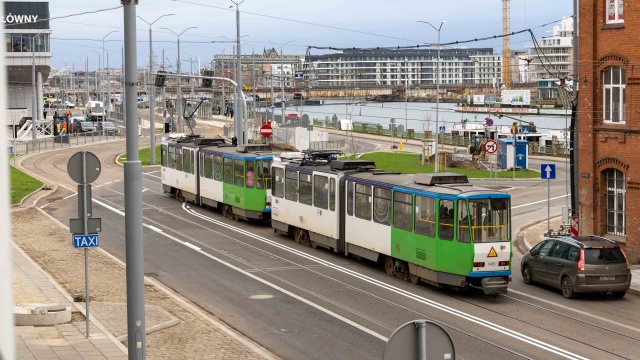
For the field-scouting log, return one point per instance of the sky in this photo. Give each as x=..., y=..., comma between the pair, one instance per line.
x=300, y=23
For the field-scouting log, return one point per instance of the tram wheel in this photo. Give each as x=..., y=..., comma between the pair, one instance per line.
x=227, y=211
x=414, y=279
x=179, y=196
x=389, y=265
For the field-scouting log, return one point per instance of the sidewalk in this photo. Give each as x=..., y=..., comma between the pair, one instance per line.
x=531, y=234
x=65, y=341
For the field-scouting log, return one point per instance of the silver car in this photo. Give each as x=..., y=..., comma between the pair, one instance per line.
x=578, y=264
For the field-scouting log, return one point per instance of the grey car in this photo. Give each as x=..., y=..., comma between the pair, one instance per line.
x=107, y=127
x=578, y=264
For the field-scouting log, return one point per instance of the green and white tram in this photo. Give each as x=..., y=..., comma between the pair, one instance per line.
x=235, y=180
x=435, y=228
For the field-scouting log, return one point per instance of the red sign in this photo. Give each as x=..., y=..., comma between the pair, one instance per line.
x=266, y=130
x=574, y=226
x=490, y=147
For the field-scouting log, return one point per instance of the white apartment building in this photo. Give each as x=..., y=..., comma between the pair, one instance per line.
x=552, y=60
x=406, y=67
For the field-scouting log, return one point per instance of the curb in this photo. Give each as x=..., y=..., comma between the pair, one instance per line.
x=523, y=229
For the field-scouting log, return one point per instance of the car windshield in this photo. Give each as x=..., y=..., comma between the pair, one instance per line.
x=601, y=256
x=86, y=124
x=489, y=220
x=108, y=125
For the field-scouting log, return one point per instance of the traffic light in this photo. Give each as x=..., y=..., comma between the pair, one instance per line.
x=160, y=78
x=207, y=83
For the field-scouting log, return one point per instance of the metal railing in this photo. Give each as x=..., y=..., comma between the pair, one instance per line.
x=62, y=141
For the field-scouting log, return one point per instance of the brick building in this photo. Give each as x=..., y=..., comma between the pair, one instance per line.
x=609, y=121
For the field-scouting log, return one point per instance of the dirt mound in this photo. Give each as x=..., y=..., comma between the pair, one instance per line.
x=447, y=159
x=282, y=147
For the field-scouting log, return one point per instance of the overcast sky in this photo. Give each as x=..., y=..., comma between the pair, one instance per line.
x=334, y=23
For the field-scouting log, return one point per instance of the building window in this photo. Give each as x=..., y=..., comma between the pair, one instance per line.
x=616, y=198
x=615, y=12
x=614, y=91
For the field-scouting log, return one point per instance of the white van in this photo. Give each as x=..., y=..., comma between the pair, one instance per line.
x=95, y=110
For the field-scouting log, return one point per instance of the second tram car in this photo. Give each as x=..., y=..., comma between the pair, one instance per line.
x=210, y=172
x=435, y=228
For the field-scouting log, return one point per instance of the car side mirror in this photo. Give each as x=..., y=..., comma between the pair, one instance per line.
x=533, y=252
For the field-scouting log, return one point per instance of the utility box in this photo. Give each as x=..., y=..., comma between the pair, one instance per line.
x=507, y=154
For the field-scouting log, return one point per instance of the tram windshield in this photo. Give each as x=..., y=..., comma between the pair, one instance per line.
x=489, y=220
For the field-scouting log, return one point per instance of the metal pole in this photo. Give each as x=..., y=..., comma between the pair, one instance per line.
x=34, y=104
x=108, y=102
x=282, y=104
x=164, y=100
x=85, y=219
x=134, y=240
x=179, y=93
x=548, y=203
x=437, y=158
x=224, y=102
x=422, y=339
x=574, y=134
x=152, y=105
x=239, y=116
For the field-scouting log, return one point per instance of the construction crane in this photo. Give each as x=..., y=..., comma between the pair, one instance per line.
x=506, y=50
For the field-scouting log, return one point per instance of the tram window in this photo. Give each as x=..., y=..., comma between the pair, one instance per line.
x=489, y=220
x=382, y=206
x=321, y=192
x=291, y=185
x=350, y=198
x=238, y=171
x=445, y=220
x=217, y=167
x=172, y=158
x=464, y=231
x=278, y=189
x=306, y=190
x=425, y=223
x=179, y=159
x=266, y=168
x=363, y=201
x=250, y=174
x=228, y=170
x=332, y=195
x=207, y=166
x=163, y=155
x=402, y=205
x=187, y=165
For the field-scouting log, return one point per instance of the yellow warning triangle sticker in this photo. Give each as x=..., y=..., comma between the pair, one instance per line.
x=492, y=253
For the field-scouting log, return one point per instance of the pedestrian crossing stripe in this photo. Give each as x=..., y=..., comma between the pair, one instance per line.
x=492, y=253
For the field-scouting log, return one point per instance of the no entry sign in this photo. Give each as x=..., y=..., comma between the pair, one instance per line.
x=266, y=130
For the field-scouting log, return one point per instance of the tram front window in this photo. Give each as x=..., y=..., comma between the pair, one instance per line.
x=489, y=220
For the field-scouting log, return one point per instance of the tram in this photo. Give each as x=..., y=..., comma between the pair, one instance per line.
x=435, y=228
x=208, y=172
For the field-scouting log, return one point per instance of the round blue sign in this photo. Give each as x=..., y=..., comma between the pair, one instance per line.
x=489, y=121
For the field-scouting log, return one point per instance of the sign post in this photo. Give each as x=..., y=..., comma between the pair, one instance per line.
x=84, y=168
x=490, y=147
x=548, y=171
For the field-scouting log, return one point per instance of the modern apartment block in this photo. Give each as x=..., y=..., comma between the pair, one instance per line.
x=552, y=60
x=609, y=122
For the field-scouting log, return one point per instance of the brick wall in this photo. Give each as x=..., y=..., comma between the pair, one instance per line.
x=603, y=146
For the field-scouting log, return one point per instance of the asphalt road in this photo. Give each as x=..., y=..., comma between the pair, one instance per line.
x=302, y=303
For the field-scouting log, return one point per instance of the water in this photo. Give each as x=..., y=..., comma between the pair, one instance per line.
x=419, y=116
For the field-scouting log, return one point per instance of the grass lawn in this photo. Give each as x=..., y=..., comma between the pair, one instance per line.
x=144, y=155
x=21, y=185
x=409, y=163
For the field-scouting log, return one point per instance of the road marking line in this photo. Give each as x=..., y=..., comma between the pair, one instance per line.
x=538, y=202
x=154, y=228
x=191, y=246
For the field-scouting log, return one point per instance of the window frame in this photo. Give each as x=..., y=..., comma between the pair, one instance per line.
x=227, y=169
x=613, y=83
x=249, y=164
x=178, y=159
x=164, y=151
x=363, y=202
x=238, y=167
x=617, y=6
x=429, y=230
x=290, y=193
x=332, y=194
x=305, y=188
x=615, y=202
x=279, y=179
x=207, y=166
x=382, y=198
x=442, y=226
x=399, y=223
x=321, y=191
x=218, y=161
x=350, y=196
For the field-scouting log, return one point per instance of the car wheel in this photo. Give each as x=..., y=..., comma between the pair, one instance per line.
x=567, y=288
x=526, y=275
x=619, y=294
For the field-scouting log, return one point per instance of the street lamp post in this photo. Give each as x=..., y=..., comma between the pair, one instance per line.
x=282, y=78
x=34, y=93
x=179, y=90
x=152, y=124
x=239, y=116
x=98, y=71
x=101, y=85
x=437, y=90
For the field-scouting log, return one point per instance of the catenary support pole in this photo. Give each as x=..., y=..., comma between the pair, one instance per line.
x=136, y=328
x=152, y=106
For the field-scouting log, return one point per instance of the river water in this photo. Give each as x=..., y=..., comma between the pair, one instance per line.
x=419, y=116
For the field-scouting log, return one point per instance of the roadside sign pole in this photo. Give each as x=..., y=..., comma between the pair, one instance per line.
x=548, y=204
x=548, y=172
x=85, y=232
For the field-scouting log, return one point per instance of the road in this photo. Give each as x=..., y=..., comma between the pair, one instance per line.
x=302, y=303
